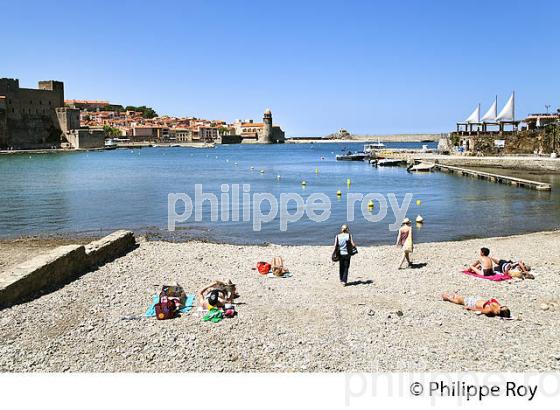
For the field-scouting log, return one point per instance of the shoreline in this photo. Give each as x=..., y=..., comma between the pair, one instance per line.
x=389, y=320
x=59, y=239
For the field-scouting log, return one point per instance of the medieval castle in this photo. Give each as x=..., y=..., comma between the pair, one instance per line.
x=28, y=117
x=38, y=118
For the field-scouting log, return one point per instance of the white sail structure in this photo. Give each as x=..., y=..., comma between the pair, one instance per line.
x=474, y=118
x=508, y=112
x=492, y=112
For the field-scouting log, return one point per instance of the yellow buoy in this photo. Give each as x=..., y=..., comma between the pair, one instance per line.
x=316, y=170
x=370, y=203
x=348, y=182
x=418, y=202
x=338, y=193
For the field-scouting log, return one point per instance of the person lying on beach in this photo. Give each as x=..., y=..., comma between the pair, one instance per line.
x=511, y=268
x=217, y=294
x=490, y=307
x=483, y=266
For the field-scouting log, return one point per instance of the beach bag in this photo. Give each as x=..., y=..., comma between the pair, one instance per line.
x=352, y=250
x=175, y=293
x=336, y=253
x=229, y=311
x=263, y=267
x=166, y=308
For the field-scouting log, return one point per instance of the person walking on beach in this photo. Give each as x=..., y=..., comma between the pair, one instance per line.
x=404, y=241
x=344, y=248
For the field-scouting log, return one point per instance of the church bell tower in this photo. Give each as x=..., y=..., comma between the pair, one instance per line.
x=267, y=131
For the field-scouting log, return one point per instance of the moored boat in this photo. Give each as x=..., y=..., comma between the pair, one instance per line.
x=368, y=148
x=421, y=167
x=389, y=162
x=110, y=144
x=350, y=156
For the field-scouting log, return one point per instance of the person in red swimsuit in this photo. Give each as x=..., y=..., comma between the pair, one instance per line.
x=490, y=307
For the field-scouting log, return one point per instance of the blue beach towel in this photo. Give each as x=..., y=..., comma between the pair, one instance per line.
x=151, y=312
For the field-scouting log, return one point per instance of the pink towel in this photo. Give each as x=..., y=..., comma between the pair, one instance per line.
x=496, y=278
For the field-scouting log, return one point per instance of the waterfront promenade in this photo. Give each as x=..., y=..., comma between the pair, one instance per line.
x=520, y=162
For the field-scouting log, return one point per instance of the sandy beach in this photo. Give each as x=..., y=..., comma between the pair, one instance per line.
x=388, y=320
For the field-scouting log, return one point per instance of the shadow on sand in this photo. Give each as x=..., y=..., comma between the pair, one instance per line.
x=359, y=282
x=418, y=265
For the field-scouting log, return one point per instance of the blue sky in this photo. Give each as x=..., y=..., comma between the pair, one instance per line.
x=367, y=66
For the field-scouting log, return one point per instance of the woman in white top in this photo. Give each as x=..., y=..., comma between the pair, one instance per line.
x=342, y=240
x=404, y=240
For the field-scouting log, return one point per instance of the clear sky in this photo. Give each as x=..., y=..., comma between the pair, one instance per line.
x=320, y=65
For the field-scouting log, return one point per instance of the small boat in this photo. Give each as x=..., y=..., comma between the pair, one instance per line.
x=421, y=167
x=175, y=145
x=388, y=162
x=374, y=147
x=110, y=144
x=350, y=156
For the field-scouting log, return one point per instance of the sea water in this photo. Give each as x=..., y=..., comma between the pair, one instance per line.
x=93, y=193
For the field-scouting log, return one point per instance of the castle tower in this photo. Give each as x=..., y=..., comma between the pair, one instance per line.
x=56, y=86
x=266, y=137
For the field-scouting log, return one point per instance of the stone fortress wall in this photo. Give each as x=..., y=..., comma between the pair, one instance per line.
x=28, y=117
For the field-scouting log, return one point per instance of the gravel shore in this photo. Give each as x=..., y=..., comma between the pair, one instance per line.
x=389, y=320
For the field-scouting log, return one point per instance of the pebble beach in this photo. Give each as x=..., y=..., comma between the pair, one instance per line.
x=386, y=320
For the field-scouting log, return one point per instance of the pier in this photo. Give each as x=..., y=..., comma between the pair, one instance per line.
x=501, y=179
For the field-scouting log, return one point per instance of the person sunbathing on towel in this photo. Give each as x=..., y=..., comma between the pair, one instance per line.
x=510, y=267
x=483, y=266
x=217, y=294
x=490, y=307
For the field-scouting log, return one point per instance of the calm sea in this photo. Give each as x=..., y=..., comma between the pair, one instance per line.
x=92, y=193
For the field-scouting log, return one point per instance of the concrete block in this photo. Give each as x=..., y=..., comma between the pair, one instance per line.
x=109, y=248
x=42, y=272
x=60, y=266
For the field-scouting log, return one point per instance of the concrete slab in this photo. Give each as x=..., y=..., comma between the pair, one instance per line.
x=44, y=271
x=59, y=266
